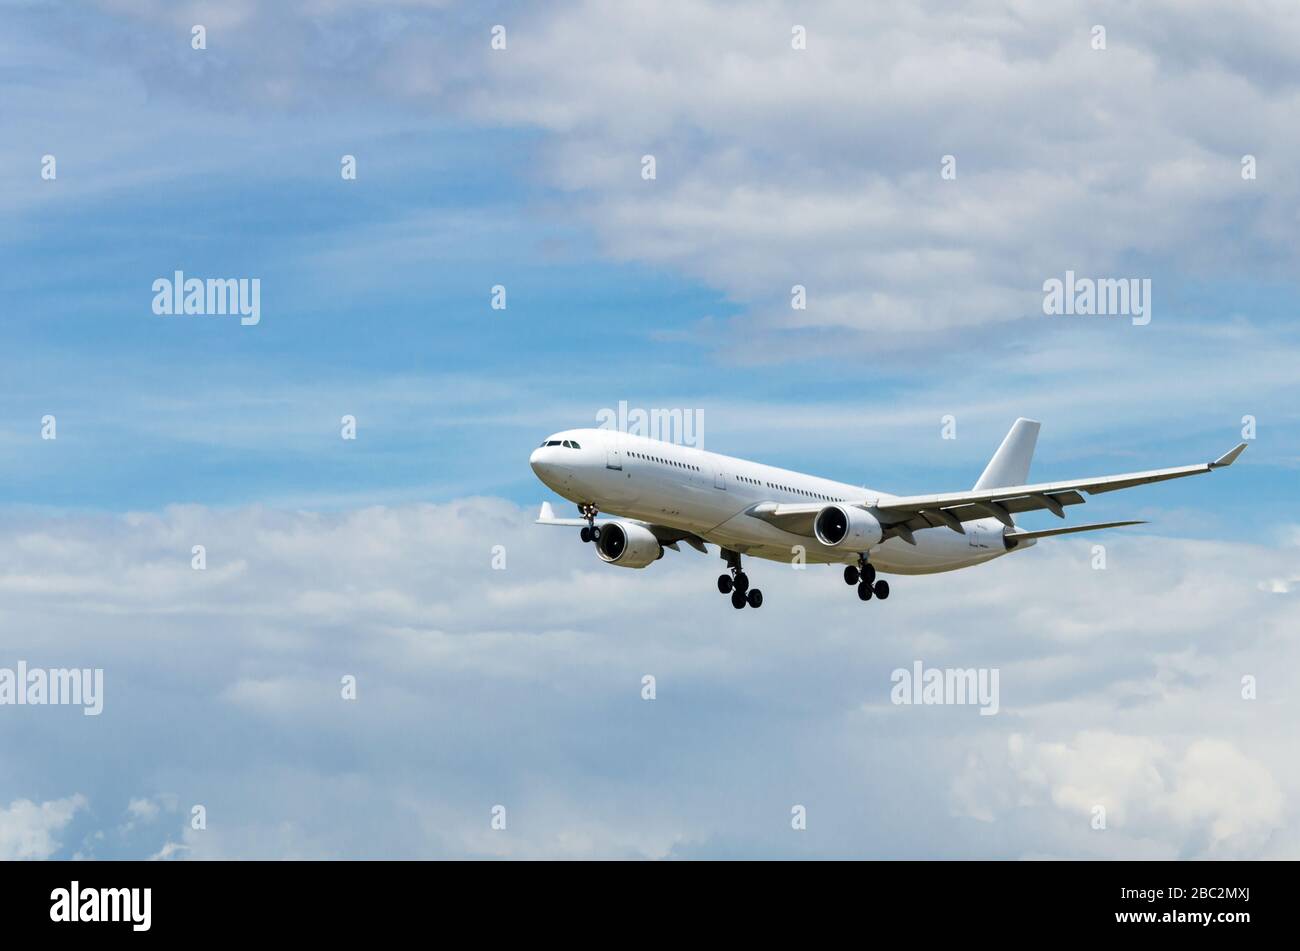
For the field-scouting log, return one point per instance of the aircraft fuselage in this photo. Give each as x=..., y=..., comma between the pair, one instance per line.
x=708, y=494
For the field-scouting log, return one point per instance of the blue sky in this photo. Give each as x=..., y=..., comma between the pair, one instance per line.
x=522, y=168
x=376, y=301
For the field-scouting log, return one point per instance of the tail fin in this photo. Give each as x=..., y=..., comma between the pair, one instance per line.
x=1010, y=464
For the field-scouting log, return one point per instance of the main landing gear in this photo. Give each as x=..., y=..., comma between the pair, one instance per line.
x=736, y=584
x=592, y=532
x=863, y=574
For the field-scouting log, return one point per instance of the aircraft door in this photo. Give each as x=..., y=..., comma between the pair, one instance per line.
x=981, y=536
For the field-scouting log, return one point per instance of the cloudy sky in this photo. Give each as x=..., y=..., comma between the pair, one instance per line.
x=775, y=166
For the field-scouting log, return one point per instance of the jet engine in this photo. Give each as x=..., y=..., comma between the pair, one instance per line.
x=628, y=545
x=848, y=528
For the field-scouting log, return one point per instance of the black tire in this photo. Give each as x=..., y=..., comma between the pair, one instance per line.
x=850, y=574
x=742, y=582
x=882, y=589
x=724, y=584
x=585, y=534
x=595, y=533
x=737, y=599
x=868, y=573
x=864, y=591
x=755, y=598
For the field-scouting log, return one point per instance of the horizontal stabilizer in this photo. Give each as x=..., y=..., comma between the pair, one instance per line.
x=1020, y=535
x=547, y=517
x=668, y=537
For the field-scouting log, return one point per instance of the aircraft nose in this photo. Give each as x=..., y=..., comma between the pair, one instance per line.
x=544, y=465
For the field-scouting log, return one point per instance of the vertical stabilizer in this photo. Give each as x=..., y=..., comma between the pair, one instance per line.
x=1010, y=464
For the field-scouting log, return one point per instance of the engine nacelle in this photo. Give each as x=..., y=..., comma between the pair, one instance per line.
x=628, y=545
x=847, y=527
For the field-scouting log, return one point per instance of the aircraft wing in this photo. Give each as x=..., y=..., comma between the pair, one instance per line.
x=668, y=537
x=953, y=508
x=797, y=519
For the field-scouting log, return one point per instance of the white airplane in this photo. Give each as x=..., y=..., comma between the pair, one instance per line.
x=664, y=494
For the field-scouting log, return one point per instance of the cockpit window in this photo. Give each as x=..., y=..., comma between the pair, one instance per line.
x=568, y=444
x=553, y=442
x=573, y=445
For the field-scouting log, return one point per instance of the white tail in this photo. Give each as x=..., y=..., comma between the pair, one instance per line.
x=1010, y=464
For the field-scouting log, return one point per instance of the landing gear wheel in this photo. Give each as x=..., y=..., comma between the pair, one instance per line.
x=850, y=574
x=737, y=583
x=867, y=573
x=882, y=589
x=591, y=533
x=864, y=591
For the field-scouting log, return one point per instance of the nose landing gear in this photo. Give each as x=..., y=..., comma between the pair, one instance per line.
x=736, y=584
x=592, y=532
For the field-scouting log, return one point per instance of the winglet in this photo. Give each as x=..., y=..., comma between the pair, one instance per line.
x=1228, y=458
x=547, y=513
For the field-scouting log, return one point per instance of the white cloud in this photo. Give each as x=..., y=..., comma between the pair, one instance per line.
x=821, y=167
x=778, y=166
x=169, y=851
x=1172, y=797
x=522, y=687
x=30, y=830
x=144, y=810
